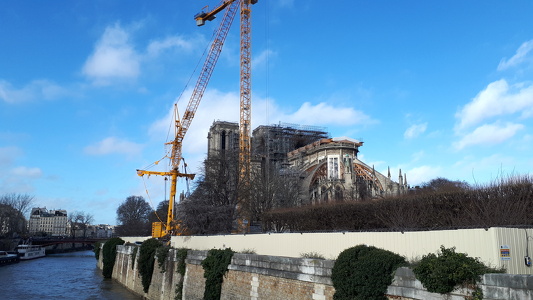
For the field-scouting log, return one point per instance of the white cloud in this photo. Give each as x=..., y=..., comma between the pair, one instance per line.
x=418, y=155
x=113, y=58
x=263, y=58
x=217, y=105
x=324, y=114
x=112, y=145
x=8, y=156
x=521, y=56
x=419, y=175
x=156, y=47
x=34, y=91
x=497, y=99
x=489, y=134
x=16, y=179
x=27, y=172
x=415, y=130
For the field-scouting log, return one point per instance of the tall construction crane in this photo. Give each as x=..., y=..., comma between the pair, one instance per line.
x=181, y=126
x=245, y=98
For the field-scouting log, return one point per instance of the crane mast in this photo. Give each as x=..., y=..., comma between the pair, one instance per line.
x=181, y=126
x=245, y=100
x=245, y=109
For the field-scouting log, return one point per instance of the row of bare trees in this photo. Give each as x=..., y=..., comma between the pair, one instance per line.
x=79, y=221
x=441, y=204
x=218, y=198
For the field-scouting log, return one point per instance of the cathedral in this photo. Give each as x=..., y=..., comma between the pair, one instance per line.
x=328, y=168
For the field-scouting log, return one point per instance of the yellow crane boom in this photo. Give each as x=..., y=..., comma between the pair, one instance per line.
x=182, y=126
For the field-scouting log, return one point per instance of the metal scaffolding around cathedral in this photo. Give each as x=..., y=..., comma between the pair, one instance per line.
x=328, y=168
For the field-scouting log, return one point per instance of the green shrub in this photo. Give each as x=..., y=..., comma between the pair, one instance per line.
x=215, y=266
x=248, y=251
x=97, y=249
x=109, y=252
x=312, y=255
x=181, y=255
x=133, y=256
x=442, y=272
x=162, y=254
x=364, y=273
x=146, y=261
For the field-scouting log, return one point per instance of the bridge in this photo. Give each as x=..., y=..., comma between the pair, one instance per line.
x=57, y=241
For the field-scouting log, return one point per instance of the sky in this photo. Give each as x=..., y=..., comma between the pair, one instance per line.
x=87, y=89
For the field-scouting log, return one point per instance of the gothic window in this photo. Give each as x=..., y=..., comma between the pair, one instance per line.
x=333, y=168
x=223, y=140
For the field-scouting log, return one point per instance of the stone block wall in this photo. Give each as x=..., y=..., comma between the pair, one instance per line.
x=267, y=277
x=506, y=286
x=194, y=281
x=256, y=277
x=494, y=287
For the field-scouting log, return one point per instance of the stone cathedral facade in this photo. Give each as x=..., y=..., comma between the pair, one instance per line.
x=328, y=168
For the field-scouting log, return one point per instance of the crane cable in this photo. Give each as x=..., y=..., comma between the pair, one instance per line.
x=150, y=199
x=200, y=61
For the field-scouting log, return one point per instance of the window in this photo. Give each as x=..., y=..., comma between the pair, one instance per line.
x=333, y=168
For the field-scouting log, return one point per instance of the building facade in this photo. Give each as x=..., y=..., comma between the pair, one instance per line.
x=50, y=222
x=328, y=168
x=100, y=231
x=330, y=171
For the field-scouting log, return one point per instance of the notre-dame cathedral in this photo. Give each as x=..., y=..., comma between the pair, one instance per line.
x=328, y=168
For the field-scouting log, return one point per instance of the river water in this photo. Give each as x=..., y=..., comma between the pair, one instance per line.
x=71, y=275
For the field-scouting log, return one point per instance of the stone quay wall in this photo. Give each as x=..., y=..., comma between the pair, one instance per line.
x=252, y=276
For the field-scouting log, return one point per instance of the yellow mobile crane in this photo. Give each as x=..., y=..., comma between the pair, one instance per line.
x=181, y=126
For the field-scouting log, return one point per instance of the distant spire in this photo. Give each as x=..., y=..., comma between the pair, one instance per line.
x=400, y=178
x=405, y=179
x=389, y=172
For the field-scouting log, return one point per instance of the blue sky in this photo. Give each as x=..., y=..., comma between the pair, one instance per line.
x=434, y=88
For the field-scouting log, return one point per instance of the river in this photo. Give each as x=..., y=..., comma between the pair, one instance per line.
x=71, y=275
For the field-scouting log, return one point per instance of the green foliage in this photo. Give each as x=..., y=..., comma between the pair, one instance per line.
x=442, y=272
x=248, y=251
x=133, y=256
x=109, y=252
x=364, y=273
x=146, y=261
x=181, y=255
x=162, y=254
x=477, y=294
x=215, y=266
x=97, y=249
x=312, y=255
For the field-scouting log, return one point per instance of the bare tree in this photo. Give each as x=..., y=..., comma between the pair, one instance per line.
x=212, y=206
x=74, y=219
x=161, y=213
x=272, y=189
x=440, y=184
x=86, y=220
x=12, y=222
x=20, y=202
x=133, y=217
